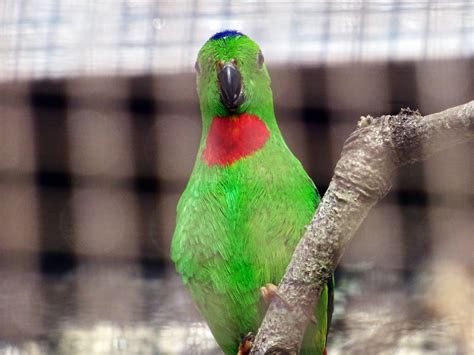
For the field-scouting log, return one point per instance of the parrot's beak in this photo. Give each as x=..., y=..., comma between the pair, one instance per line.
x=230, y=83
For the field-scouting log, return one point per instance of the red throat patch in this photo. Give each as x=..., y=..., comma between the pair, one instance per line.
x=232, y=138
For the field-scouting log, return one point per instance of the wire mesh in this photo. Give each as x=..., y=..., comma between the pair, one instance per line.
x=53, y=38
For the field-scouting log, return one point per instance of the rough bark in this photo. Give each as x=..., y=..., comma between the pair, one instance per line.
x=370, y=157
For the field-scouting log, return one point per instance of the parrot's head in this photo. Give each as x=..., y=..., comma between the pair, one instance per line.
x=232, y=78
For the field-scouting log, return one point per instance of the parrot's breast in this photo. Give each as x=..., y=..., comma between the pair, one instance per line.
x=237, y=227
x=232, y=138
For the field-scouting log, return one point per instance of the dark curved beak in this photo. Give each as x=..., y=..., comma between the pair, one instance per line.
x=230, y=83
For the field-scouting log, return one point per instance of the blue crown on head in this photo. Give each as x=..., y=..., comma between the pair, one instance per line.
x=226, y=33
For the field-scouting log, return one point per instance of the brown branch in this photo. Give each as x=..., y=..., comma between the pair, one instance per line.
x=371, y=155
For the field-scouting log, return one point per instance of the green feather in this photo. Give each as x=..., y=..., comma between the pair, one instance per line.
x=237, y=225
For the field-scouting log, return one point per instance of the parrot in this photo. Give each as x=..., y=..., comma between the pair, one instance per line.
x=247, y=201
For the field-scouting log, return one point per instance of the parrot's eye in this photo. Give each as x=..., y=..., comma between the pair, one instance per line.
x=260, y=60
x=197, y=67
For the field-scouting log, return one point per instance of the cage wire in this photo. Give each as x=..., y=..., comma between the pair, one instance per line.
x=54, y=38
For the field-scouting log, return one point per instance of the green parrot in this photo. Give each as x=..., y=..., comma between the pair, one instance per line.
x=247, y=201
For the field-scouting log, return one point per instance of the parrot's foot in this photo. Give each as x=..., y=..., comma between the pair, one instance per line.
x=268, y=292
x=246, y=344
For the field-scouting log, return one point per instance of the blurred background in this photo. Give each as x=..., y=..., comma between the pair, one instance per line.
x=99, y=127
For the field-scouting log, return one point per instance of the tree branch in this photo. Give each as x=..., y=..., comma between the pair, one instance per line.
x=362, y=177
